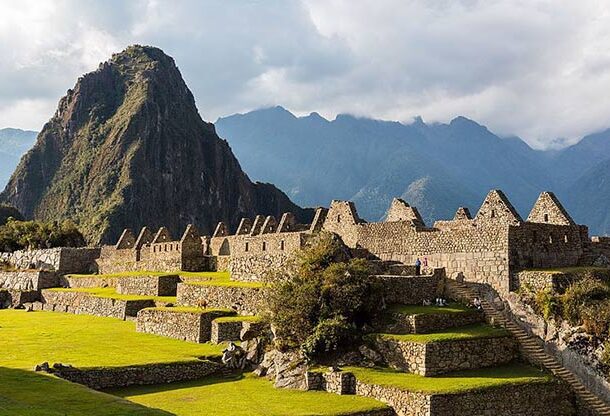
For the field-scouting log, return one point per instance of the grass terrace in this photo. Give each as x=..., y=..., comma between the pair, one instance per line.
x=429, y=310
x=244, y=395
x=25, y=393
x=239, y=318
x=84, y=341
x=457, y=382
x=110, y=292
x=474, y=331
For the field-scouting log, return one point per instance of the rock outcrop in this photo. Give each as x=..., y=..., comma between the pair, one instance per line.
x=127, y=148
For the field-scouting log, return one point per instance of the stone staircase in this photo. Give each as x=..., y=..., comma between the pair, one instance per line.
x=532, y=350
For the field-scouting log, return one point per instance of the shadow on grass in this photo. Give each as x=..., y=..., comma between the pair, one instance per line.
x=158, y=388
x=26, y=393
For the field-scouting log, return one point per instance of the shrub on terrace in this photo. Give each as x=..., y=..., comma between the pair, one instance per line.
x=323, y=301
x=19, y=235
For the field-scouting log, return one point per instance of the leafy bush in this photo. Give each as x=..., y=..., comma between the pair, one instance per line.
x=546, y=304
x=19, y=235
x=596, y=318
x=581, y=294
x=329, y=336
x=325, y=298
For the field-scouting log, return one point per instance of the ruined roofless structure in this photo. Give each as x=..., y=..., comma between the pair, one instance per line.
x=487, y=248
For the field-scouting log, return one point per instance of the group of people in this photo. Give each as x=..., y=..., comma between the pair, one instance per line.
x=442, y=302
x=419, y=264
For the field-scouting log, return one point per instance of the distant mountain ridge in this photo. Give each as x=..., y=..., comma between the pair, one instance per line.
x=436, y=167
x=13, y=144
x=128, y=148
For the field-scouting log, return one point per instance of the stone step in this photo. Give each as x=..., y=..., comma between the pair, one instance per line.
x=589, y=399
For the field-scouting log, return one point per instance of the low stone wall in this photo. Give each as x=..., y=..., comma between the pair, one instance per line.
x=148, y=285
x=436, y=358
x=244, y=300
x=84, y=303
x=544, y=280
x=13, y=298
x=88, y=282
x=540, y=399
x=253, y=268
x=404, y=403
x=62, y=259
x=114, y=377
x=186, y=326
x=28, y=280
x=225, y=331
x=399, y=323
x=411, y=290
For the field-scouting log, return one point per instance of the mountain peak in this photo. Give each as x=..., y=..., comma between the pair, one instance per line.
x=127, y=148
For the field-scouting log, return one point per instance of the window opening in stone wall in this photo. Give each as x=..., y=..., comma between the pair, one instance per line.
x=338, y=217
x=264, y=246
x=546, y=217
x=247, y=247
x=493, y=213
x=282, y=245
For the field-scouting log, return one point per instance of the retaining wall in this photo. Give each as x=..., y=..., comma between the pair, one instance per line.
x=187, y=326
x=148, y=285
x=244, y=300
x=86, y=304
x=28, y=280
x=400, y=323
x=436, y=358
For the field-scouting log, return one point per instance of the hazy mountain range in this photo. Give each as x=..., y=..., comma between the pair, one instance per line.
x=436, y=167
x=13, y=144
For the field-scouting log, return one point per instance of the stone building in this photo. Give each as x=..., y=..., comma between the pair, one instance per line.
x=487, y=248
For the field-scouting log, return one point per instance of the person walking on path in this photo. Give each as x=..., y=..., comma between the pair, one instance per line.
x=417, y=267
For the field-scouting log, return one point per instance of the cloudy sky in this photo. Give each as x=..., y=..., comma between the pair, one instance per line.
x=533, y=68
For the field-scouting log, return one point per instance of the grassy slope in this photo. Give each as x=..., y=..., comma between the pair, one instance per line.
x=238, y=318
x=432, y=310
x=30, y=338
x=25, y=393
x=243, y=396
x=144, y=273
x=192, y=309
x=464, y=332
x=454, y=382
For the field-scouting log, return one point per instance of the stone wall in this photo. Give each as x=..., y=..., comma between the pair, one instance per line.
x=114, y=377
x=187, y=326
x=544, y=280
x=540, y=399
x=244, y=300
x=250, y=257
x=400, y=323
x=62, y=259
x=225, y=331
x=28, y=280
x=84, y=303
x=410, y=290
x=436, y=358
x=148, y=285
x=13, y=298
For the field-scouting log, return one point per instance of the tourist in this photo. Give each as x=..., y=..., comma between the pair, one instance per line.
x=417, y=267
x=477, y=303
x=427, y=302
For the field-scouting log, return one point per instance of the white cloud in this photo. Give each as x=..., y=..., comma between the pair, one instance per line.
x=536, y=68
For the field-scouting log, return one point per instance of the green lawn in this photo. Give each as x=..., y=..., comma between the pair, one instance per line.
x=245, y=395
x=110, y=292
x=25, y=393
x=30, y=338
x=428, y=310
x=452, y=334
x=454, y=382
x=226, y=283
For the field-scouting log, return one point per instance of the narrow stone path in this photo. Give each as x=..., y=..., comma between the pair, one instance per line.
x=532, y=350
